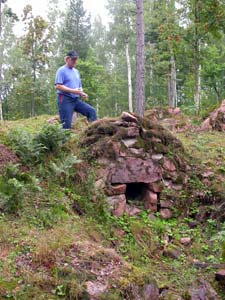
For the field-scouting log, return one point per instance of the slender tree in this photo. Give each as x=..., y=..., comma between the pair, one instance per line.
x=121, y=33
x=1, y=1
x=7, y=19
x=140, y=60
x=36, y=46
x=76, y=29
x=203, y=18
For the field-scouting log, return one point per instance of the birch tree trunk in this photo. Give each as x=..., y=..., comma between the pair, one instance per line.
x=172, y=84
x=130, y=101
x=197, y=80
x=151, y=71
x=140, y=60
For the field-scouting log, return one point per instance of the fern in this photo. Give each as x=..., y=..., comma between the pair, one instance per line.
x=32, y=149
x=52, y=136
x=28, y=150
x=65, y=169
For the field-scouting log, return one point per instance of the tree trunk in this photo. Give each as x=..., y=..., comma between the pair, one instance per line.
x=116, y=108
x=1, y=114
x=197, y=79
x=140, y=60
x=97, y=107
x=172, y=84
x=151, y=71
x=217, y=92
x=130, y=103
x=34, y=79
x=33, y=95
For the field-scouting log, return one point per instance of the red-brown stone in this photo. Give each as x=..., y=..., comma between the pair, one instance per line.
x=151, y=206
x=165, y=204
x=116, y=189
x=132, y=169
x=117, y=204
x=156, y=187
x=169, y=165
x=150, y=200
x=185, y=241
x=128, y=117
x=132, y=210
x=216, y=119
x=165, y=213
x=220, y=276
x=132, y=131
x=150, y=197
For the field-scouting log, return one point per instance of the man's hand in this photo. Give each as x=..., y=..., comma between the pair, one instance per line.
x=83, y=96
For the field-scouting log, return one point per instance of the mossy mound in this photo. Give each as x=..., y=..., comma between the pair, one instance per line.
x=138, y=158
x=103, y=135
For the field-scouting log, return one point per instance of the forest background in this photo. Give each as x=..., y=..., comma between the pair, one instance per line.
x=184, y=56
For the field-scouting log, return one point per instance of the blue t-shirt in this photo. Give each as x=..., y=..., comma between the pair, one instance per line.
x=69, y=77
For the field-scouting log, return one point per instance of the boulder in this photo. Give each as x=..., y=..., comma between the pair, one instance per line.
x=117, y=204
x=220, y=276
x=202, y=290
x=216, y=120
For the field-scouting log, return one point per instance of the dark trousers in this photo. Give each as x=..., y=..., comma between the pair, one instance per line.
x=67, y=106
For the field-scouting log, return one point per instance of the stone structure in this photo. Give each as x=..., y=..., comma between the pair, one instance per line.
x=171, y=118
x=216, y=120
x=138, y=159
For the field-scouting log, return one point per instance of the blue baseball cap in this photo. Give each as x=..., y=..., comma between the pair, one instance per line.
x=72, y=54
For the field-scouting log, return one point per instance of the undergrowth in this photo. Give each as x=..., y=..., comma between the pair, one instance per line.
x=56, y=233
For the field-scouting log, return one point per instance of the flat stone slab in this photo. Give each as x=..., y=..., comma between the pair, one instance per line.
x=133, y=169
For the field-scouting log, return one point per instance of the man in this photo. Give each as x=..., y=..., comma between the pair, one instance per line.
x=70, y=92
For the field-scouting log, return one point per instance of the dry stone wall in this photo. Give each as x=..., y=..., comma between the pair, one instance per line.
x=138, y=159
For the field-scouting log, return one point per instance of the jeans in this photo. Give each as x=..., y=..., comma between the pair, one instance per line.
x=68, y=105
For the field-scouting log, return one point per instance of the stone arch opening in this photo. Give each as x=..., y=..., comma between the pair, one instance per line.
x=135, y=191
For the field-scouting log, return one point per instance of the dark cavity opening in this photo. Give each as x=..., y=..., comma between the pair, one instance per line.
x=135, y=191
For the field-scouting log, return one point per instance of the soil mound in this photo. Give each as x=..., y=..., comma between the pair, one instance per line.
x=7, y=156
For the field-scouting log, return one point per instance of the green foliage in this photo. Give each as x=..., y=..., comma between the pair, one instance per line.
x=48, y=217
x=14, y=183
x=64, y=170
x=30, y=62
x=219, y=237
x=93, y=77
x=51, y=137
x=11, y=194
x=32, y=148
x=76, y=29
x=25, y=147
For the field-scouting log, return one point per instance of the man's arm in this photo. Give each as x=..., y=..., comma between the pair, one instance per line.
x=66, y=89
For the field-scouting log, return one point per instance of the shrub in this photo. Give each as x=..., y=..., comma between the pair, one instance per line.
x=13, y=185
x=51, y=137
x=31, y=149
x=63, y=170
x=28, y=150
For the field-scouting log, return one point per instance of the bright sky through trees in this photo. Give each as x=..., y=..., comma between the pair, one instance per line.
x=40, y=8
